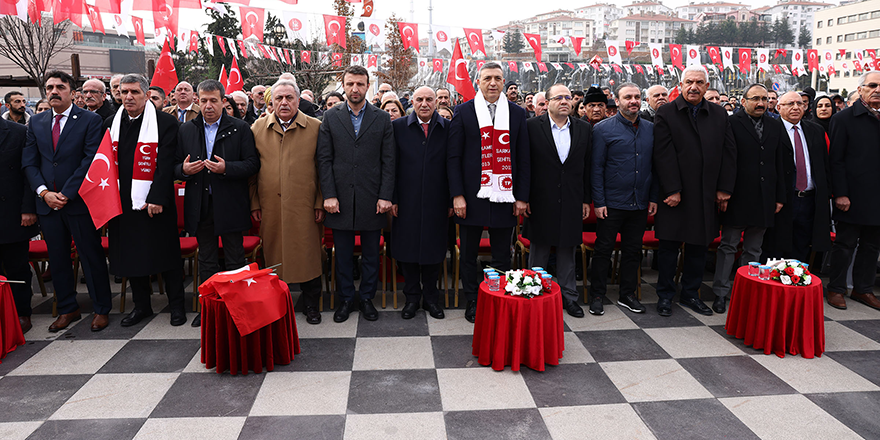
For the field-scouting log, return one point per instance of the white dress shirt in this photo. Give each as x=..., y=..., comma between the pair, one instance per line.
x=800, y=132
x=562, y=138
x=63, y=121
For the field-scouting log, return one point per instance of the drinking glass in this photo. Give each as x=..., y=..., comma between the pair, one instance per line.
x=546, y=281
x=494, y=283
x=764, y=272
x=753, y=268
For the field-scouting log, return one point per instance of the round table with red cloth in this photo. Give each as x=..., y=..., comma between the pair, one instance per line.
x=778, y=318
x=512, y=330
x=223, y=346
x=10, y=329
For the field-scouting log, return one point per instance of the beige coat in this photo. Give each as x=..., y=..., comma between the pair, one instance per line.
x=287, y=191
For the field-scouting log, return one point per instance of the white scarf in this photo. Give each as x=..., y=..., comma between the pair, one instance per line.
x=496, y=180
x=146, y=152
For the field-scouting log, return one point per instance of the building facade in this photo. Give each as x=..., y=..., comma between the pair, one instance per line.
x=853, y=27
x=602, y=14
x=647, y=28
x=799, y=13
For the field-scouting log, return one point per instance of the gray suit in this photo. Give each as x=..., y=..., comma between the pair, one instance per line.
x=358, y=170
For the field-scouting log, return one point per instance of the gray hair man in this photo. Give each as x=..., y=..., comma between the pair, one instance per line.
x=96, y=98
x=186, y=109
x=657, y=95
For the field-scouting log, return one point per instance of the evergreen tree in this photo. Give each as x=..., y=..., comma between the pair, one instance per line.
x=513, y=41
x=805, y=40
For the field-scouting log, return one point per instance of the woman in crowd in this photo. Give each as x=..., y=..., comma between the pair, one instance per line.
x=42, y=105
x=823, y=109
x=581, y=109
x=394, y=108
x=445, y=112
x=231, y=108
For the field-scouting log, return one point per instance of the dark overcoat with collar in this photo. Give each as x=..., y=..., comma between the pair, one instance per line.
x=421, y=192
x=16, y=197
x=695, y=157
x=558, y=190
x=855, y=164
x=357, y=170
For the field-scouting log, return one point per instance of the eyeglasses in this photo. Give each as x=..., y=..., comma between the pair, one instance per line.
x=790, y=104
x=92, y=92
x=870, y=85
x=758, y=99
x=383, y=91
x=561, y=98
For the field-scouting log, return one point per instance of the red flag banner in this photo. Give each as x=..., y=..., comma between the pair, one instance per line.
x=252, y=22
x=95, y=19
x=235, y=81
x=576, y=43
x=534, y=41
x=100, y=187
x=813, y=59
x=368, y=8
x=194, y=41
x=372, y=61
x=714, y=54
x=222, y=42
x=745, y=60
x=306, y=56
x=165, y=75
x=458, y=74
x=675, y=55
x=512, y=66
x=334, y=28
x=242, y=48
x=337, y=59
x=630, y=45
x=223, y=78
x=781, y=53
x=255, y=298
x=138, y=24
x=542, y=67
x=475, y=40
x=438, y=64
x=64, y=10
x=409, y=34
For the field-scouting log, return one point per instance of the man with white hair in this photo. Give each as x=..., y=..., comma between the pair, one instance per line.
x=307, y=103
x=540, y=102
x=657, y=96
x=257, y=105
x=186, y=109
x=241, y=101
x=695, y=163
x=114, y=91
x=96, y=101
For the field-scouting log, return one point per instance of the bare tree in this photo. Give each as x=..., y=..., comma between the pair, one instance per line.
x=32, y=46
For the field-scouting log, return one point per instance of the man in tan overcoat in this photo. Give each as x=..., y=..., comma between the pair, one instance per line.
x=286, y=196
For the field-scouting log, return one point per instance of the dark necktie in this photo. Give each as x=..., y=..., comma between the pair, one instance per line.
x=801, y=168
x=56, y=131
x=425, y=129
x=181, y=115
x=284, y=125
x=492, y=112
x=759, y=128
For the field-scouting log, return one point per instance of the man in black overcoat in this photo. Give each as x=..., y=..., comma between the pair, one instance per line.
x=559, y=196
x=855, y=161
x=695, y=162
x=759, y=192
x=144, y=241
x=466, y=179
x=421, y=203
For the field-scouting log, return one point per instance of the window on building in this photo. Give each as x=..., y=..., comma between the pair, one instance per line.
x=818, y=41
x=841, y=20
x=874, y=34
x=851, y=19
x=819, y=24
x=830, y=22
x=849, y=37
x=846, y=74
x=862, y=35
x=875, y=14
x=863, y=16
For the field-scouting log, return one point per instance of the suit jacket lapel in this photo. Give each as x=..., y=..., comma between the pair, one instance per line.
x=575, y=135
x=551, y=144
x=68, y=126
x=345, y=120
x=744, y=119
x=766, y=121
x=4, y=131
x=369, y=117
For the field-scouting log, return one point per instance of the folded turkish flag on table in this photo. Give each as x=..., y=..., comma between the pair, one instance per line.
x=255, y=298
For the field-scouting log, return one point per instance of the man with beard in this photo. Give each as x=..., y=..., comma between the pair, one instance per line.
x=356, y=168
x=657, y=96
x=529, y=105
x=443, y=98
x=157, y=97
x=96, y=101
x=143, y=239
x=16, y=105
x=595, y=102
x=695, y=162
x=511, y=91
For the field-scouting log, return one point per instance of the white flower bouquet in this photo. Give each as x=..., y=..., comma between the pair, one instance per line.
x=525, y=283
x=790, y=273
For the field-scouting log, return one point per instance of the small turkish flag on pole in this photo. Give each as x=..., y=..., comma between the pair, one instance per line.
x=100, y=187
x=252, y=20
x=630, y=45
x=673, y=94
x=459, y=76
x=475, y=40
x=409, y=34
x=223, y=78
x=235, y=82
x=165, y=75
x=334, y=28
x=138, y=24
x=95, y=19
x=534, y=41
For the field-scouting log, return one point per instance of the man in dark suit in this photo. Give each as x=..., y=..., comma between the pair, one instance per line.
x=143, y=240
x=482, y=196
x=559, y=194
x=804, y=223
x=759, y=192
x=185, y=109
x=657, y=96
x=60, y=147
x=624, y=195
x=96, y=98
x=855, y=159
x=356, y=167
x=421, y=203
x=18, y=218
x=695, y=162
x=257, y=105
x=216, y=156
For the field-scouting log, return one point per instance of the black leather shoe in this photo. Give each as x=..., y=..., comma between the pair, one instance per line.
x=136, y=316
x=313, y=316
x=434, y=310
x=342, y=311
x=720, y=304
x=197, y=321
x=409, y=310
x=696, y=305
x=664, y=307
x=470, y=312
x=632, y=303
x=369, y=310
x=596, y=307
x=178, y=317
x=573, y=308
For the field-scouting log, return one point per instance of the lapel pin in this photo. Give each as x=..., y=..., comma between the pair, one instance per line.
x=74, y=116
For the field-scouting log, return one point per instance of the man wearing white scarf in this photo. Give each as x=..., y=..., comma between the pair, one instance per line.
x=144, y=240
x=488, y=168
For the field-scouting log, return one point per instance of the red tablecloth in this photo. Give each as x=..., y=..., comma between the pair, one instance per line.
x=511, y=330
x=10, y=329
x=780, y=319
x=224, y=347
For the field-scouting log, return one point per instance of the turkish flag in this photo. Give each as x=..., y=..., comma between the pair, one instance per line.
x=480, y=64
x=95, y=19
x=337, y=59
x=110, y=6
x=35, y=9
x=745, y=60
x=475, y=40
x=165, y=15
x=100, y=188
x=458, y=74
x=372, y=61
x=438, y=64
x=512, y=66
x=630, y=45
x=165, y=75
x=368, y=8
x=235, y=81
x=596, y=62
x=675, y=54
x=409, y=34
x=305, y=56
x=714, y=54
x=242, y=48
x=542, y=67
x=255, y=298
x=813, y=59
x=576, y=43
x=639, y=69
x=223, y=78
x=857, y=65
x=334, y=28
x=64, y=10
x=673, y=93
x=222, y=43
x=780, y=53
x=193, y=41
x=252, y=22
x=138, y=24
x=534, y=41
x=873, y=53
x=777, y=69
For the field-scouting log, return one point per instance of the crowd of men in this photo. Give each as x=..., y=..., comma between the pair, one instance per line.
x=768, y=175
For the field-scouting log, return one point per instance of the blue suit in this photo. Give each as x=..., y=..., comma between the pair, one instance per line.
x=63, y=169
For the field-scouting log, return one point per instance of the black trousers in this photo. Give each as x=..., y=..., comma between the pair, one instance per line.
x=865, y=267
x=692, y=272
x=14, y=261
x=471, y=275
x=344, y=242
x=631, y=227
x=141, y=289
x=58, y=227
x=420, y=282
x=311, y=291
x=209, y=246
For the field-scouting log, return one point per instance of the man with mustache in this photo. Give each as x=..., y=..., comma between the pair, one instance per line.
x=759, y=192
x=16, y=108
x=595, y=102
x=695, y=162
x=657, y=96
x=96, y=98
